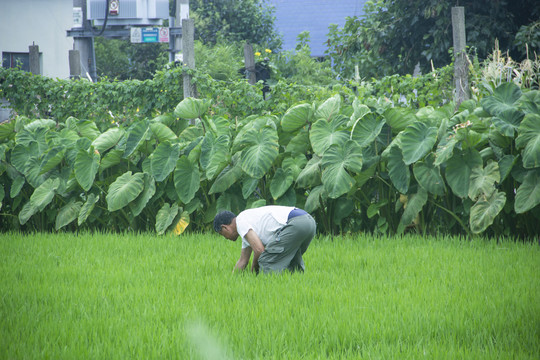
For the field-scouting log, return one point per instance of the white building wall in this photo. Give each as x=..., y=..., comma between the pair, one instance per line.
x=43, y=22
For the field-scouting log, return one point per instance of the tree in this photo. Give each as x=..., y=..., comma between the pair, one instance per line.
x=122, y=60
x=234, y=20
x=394, y=35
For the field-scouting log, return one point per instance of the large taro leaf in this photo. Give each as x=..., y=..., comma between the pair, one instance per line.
x=191, y=108
x=294, y=164
x=482, y=180
x=260, y=152
x=413, y=207
x=16, y=186
x=44, y=194
x=249, y=186
x=281, y=182
x=21, y=153
x=323, y=134
x=399, y=118
x=86, y=167
x=32, y=172
x=166, y=119
x=108, y=139
x=136, y=135
x=367, y=128
x=287, y=199
x=299, y=144
x=296, y=117
x=416, y=141
x=163, y=160
x=87, y=129
x=528, y=193
x=67, y=214
x=397, y=170
x=182, y=222
x=162, y=132
x=336, y=162
x=310, y=175
x=52, y=158
x=359, y=111
x=112, y=158
x=25, y=137
x=7, y=131
x=87, y=208
x=328, y=109
x=445, y=149
x=529, y=140
x=484, y=211
x=530, y=102
x=124, y=190
x=429, y=176
x=459, y=168
x=138, y=205
x=227, y=177
x=27, y=212
x=165, y=217
x=506, y=163
x=316, y=195
x=214, y=154
x=507, y=121
x=504, y=97
x=186, y=179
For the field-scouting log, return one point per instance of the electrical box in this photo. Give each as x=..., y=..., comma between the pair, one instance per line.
x=128, y=12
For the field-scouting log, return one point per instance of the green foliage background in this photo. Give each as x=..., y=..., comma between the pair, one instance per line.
x=356, y=161
x=394, y=36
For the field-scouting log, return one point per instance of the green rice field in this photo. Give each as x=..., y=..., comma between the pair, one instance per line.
x=127, y=296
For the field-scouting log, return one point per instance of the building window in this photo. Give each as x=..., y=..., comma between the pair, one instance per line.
x=13, y=60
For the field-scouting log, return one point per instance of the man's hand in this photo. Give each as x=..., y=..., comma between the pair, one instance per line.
x=244, y=259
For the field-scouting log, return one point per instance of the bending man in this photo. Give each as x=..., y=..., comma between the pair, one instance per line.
x=278, y=236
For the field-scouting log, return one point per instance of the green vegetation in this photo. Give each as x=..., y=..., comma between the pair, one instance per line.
x=357, y=164
x=124, y=296
x=394, y=36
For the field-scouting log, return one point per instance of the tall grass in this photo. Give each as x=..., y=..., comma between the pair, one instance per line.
x=107, y=296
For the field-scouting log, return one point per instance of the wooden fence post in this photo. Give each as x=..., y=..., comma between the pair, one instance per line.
x=249, y=61
x=33, y=51
x=74, y=64
x=188, y=54
x=461, y=65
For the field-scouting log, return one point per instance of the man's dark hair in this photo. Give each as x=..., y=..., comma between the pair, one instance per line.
x=223, y=218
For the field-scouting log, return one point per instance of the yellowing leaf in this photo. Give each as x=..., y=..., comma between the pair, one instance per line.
x=182, y=223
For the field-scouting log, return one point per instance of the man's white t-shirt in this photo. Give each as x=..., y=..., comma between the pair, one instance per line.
x=265, y=221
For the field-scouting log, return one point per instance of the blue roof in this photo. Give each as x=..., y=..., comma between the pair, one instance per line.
x=295, y=16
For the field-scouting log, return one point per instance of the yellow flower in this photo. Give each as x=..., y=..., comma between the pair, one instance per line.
x=257, y=54
x=268, y=51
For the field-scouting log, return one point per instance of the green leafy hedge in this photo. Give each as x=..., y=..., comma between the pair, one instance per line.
x=356, y=164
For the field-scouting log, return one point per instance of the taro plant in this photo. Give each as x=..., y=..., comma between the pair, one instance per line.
x=358, y=166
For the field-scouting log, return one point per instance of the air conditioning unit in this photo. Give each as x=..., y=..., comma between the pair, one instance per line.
x=129, y=12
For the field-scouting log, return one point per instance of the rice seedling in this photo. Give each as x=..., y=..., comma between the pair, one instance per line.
x=114, y=296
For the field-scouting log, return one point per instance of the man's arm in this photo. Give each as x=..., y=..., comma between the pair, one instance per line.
x=244, y=259
x=257, y=246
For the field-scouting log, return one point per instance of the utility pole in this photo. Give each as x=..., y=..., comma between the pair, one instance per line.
x=181, y=12
x=461, y=66
x=84, y=46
